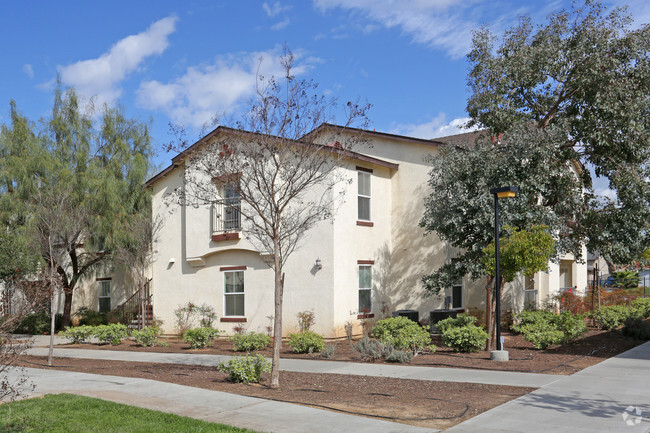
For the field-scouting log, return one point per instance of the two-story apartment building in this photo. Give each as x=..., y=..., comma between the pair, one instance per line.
x=366, y=261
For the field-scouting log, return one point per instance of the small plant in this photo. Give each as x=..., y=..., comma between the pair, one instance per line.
x=250, y=342
x=78, y=334
x=306, y=320
x=371, y=350
x=636, y=328
x=349, y=328
x=467, y=338
x=400, y=356
x=306, y=342
x=91, y=318
x=328, y=352
x=239, y=329
x=612, y=316
x=148, y=336
x=245, y=369
x=269, y=327
x=402, y=333
x=199, y=338
x=111, y=334
x=187, y=314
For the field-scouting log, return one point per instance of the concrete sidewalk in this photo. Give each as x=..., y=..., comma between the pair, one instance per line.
x=317, y=366
x=613, y=396
x=214, y=406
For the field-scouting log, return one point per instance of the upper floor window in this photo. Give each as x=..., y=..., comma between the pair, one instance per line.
x=226, y=212
x=363, y=198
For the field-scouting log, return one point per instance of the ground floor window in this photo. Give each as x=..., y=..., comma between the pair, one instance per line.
x=234, y=293
x=365, y=289
x=104, y=295
x=457, y=294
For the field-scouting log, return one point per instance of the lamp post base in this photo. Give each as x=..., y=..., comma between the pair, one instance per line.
x=499, y=355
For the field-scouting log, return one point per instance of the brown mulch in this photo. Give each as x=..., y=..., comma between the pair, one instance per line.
x=593, y=347
x=423, y=403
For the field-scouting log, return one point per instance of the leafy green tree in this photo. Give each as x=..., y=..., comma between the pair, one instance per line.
x=522, y=252
x=75, y=187
x=556, y=102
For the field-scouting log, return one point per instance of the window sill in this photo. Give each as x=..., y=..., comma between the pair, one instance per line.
x=366, y=316
x=365, y=223
x=233, y=319
x=225, y=237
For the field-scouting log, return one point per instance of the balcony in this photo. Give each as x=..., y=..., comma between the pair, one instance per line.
x=226, y=219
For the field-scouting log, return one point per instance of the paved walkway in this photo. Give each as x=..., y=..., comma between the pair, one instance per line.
x=316, y=366
x=613, y=396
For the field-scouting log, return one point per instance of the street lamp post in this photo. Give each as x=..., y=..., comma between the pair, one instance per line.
x=503, y=192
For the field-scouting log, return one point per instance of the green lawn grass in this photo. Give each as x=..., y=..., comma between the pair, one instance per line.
x=66, y=413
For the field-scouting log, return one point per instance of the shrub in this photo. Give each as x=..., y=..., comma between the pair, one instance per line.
x=372, y=349
x=199, y=338
x=543, y=338
x=400, y=356
x=113, y=333
x=537, y=319
x=91, y=318
x=402, y=333
x=306, y=342
x=245, y=369
x=637, y=328
x=250, y=342
x=329, y=350
x=573, y=303
x=78, y=334
x=148, y=336
x=641, y=307
x=35, y=324
x=455, y=322
x=188, y=313
x=306, y=320
x=467, y=338
x=612, y=316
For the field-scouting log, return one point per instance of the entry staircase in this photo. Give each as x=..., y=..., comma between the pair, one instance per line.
x=137, y=311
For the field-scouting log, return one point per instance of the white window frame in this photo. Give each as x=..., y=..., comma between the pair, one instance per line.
x=360, y=289
x=226, y=295
x=361, y=173
x=100, y=284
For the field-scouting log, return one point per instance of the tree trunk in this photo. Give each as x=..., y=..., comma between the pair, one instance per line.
x=67, y=306
x=277, y=319
x=54, y=306
x=488, y=311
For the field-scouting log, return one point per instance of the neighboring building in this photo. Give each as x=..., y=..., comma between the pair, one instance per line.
x=366, y=262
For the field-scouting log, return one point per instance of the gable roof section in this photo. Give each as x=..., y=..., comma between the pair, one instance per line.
x=178, y=159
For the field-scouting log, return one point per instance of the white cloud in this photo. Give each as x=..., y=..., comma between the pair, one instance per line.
x=274, y=9
x=282, y=24
x=101, y=77
x=443, y=24
x=206, y=91
x=27, y=69
x=436, y=127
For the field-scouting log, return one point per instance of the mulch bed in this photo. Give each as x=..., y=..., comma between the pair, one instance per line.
x=593, y=347
x=423, y=403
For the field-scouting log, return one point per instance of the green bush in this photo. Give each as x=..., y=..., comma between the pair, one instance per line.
x=113, y=333
x=78, y=334
x=536, y=319
x=199, y=338
x=148, y=336
x=455, y=322
x=250, y=342
x=90, y=317
x=571, y=325
x=306, y=342
x=400, y=356
x=372, y=349
x=544, y=338
x=38, y=324
x=636, y=328
x=402, y=333
x=612, y=316
x=245, y=369
x=641, y=307
x=467, y=338
x=544, y=328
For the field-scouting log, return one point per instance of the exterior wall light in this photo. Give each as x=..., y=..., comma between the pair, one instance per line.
x=319, y=265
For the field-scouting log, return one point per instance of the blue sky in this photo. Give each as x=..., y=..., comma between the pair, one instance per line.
x=186, y=61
